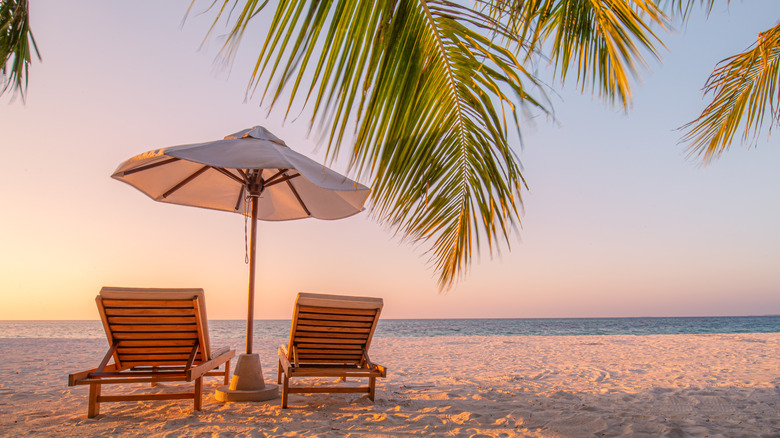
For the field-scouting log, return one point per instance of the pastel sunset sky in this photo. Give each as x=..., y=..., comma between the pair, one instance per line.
x=617, y=220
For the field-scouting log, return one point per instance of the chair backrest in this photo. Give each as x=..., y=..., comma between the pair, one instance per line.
x=154, y=327
x=333, y=329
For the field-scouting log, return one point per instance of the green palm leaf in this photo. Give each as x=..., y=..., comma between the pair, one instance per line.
x=745, y=93
x=427, y=92
x=15, y=39
x=604, y=41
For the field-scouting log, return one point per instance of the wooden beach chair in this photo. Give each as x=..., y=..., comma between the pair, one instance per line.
x=330, y=337
x=154, y=335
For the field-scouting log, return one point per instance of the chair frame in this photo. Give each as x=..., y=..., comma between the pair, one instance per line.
x=167, y=354
x=311, y=351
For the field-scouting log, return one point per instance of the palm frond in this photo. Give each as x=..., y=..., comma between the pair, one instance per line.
x=745, y=93
x=603, y=41
x=431, y=96
x=683, y=8
x=15, y=40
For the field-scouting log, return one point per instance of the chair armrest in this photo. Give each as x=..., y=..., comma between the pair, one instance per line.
x=284, y=362
x=77, y=378
x=198, y=371
x=216, y=352
x=372, y=366
x=367, y=360
x=74, y=378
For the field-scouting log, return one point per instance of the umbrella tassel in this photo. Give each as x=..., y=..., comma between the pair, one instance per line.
x=246, y=229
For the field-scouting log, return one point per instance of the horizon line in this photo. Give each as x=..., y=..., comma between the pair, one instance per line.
x=461, y=318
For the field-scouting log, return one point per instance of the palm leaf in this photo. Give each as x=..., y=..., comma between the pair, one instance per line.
x=15, y=40
x=431, y=95
x=604, y=41
x=745, y=93
x=683, y=8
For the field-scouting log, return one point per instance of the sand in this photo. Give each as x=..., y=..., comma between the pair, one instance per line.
x=573, y=386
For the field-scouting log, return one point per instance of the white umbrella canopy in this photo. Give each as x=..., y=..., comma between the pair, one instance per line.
x=251, y=172
x=221, y=174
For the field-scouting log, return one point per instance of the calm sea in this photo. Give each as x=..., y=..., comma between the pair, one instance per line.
x=231, y=329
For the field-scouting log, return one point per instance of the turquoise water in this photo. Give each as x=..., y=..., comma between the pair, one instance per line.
x=231, y=329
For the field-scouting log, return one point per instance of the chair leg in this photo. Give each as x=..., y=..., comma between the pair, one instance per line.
x=93, y=409
x=279, y=374
x=227, y=373
x=285, y=388
x=154, y=370
x=371, y=387
x=198, y=393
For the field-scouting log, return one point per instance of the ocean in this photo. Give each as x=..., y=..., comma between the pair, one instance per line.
x=232, y=329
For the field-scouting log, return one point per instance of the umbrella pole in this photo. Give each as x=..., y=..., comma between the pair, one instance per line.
x=247, y=383
x=250, y=316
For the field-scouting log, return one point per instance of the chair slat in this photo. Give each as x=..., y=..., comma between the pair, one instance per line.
x=333, y=335
x=158, y=319
x=325, y=349
x=131, y=364
x=144, y=349
x=332, y=361
x=337, y=311
x=310, y=356
x=313, y=340
x=336, y=317
x=156, y=342
x=153, y=328
x=113, y=311
x=335, y=372
x=159, y=370
x=336, y=323
x=156, y=335
x=146, y=303
x=301, y=345
x=155, y=357
x=316, y=328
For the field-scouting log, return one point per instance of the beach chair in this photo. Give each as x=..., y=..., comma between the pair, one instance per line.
x=154, y=335
x=329, y=337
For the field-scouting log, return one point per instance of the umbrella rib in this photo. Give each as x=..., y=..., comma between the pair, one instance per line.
x=283, y=179
x=275, y=176
x=227, y=173
x=186, y=181
x=297, y=196
x=150, y=166
x=240, y=197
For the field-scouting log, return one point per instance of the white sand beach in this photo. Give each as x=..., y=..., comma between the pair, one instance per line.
x=572, y=386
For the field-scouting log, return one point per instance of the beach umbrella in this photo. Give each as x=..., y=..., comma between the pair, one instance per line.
x=253, y=173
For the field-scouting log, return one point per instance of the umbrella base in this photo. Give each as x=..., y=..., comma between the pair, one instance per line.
x=247, y=383
x=225, y=394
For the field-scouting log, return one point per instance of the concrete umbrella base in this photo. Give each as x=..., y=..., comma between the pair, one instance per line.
x=247, y=383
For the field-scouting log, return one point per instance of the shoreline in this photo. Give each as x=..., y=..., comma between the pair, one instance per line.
x=399, y=328
x=546, y=386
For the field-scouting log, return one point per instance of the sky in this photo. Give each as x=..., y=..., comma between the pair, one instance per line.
x=617, y=221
